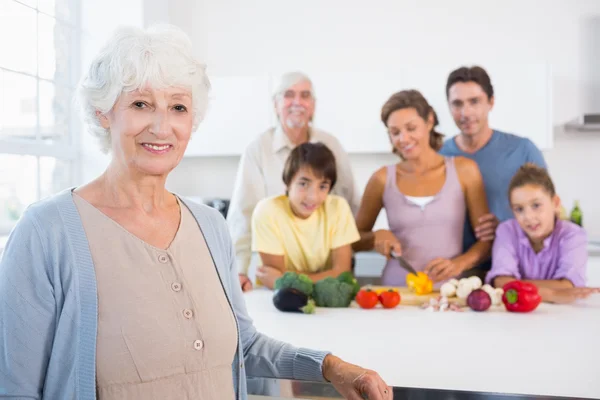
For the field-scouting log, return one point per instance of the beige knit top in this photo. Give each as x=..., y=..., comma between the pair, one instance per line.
x=165, y=327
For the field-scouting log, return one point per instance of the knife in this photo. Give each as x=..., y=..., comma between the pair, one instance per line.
x=403, y=263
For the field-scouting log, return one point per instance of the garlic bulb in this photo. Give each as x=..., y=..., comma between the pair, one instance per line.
x=495, y=293
x=454, y=282
x=499, y=294
x=463, y=281
x=464, y=290
x=475, y=282
x=448, y=290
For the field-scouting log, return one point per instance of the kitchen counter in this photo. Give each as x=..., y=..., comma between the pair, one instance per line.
x=553, y=351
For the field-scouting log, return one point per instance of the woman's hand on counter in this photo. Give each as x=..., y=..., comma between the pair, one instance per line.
x=354, y=382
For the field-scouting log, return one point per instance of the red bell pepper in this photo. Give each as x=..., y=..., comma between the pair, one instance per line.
x=521, y=296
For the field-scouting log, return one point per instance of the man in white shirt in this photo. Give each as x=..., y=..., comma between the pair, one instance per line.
x=261, y=166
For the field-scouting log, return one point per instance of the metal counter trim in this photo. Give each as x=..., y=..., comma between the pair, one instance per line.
x=288, y=389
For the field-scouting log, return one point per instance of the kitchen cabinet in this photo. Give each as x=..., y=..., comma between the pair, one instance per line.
x=522, y=92
x=239, y=110
x=348, y=105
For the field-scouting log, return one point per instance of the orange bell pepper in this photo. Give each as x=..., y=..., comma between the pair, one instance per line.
x=420, y=283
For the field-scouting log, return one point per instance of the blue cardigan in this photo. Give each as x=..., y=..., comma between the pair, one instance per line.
x=49, y=309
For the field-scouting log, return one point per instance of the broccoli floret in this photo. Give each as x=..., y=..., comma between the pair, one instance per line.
x=330, y=292
x=309, y=308
x=349, y=278
x=297, y=281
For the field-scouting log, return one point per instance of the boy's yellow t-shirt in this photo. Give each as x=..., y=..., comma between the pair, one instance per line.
x=306, y=243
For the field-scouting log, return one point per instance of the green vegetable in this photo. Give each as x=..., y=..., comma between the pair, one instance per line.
x=349, y=278
x=309, y=308
x=297, y=281
x=331, y=292
x=576, y=214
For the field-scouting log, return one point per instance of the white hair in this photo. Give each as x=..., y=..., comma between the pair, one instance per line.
x=288, y=80
x=133, y=58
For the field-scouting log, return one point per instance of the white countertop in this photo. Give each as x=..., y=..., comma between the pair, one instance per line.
x=553, y=351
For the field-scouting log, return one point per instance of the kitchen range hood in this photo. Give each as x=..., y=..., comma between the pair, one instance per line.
x=585, y=123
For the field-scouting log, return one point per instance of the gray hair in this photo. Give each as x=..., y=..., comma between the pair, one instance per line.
x=288, y=80
x=160, y=56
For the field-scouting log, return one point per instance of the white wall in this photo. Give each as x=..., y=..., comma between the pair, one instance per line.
x=237, y=37
x=98, y=21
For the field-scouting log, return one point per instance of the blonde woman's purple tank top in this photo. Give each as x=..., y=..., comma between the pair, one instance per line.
x=434, y=230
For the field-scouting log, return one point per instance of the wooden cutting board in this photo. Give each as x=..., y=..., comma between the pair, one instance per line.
x=409, y=298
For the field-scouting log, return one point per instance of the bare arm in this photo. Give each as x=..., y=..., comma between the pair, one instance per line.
x=345, y=185
x=370, y=206
x=341, y=261
x=554, y=290
x=500, y=281
x=472, y=183
x=273, y=266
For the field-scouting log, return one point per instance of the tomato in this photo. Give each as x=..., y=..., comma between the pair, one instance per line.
x=389, y=299
x=366, y=298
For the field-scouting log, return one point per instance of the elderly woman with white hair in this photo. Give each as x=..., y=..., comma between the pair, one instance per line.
x=120, y=289
x=261, y=166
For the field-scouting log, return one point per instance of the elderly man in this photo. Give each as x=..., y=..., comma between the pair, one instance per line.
x=261, y=166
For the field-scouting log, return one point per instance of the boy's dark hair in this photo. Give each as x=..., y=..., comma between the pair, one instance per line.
x=471, y=74
x=413, y=99
x=531, y=174
x=316, y=156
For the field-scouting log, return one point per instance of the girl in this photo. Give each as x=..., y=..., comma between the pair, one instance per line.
x=535, y=245
x=307, y=230
x=426, y=197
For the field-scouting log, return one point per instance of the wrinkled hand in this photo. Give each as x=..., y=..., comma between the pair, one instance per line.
x=268, y=275
x=354, y=382
x=440, y=269
x=245, y=283
x=567, y=295
x=385, y=242
x=486, y=230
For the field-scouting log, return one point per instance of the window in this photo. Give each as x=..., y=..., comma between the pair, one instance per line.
x=39, y=65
